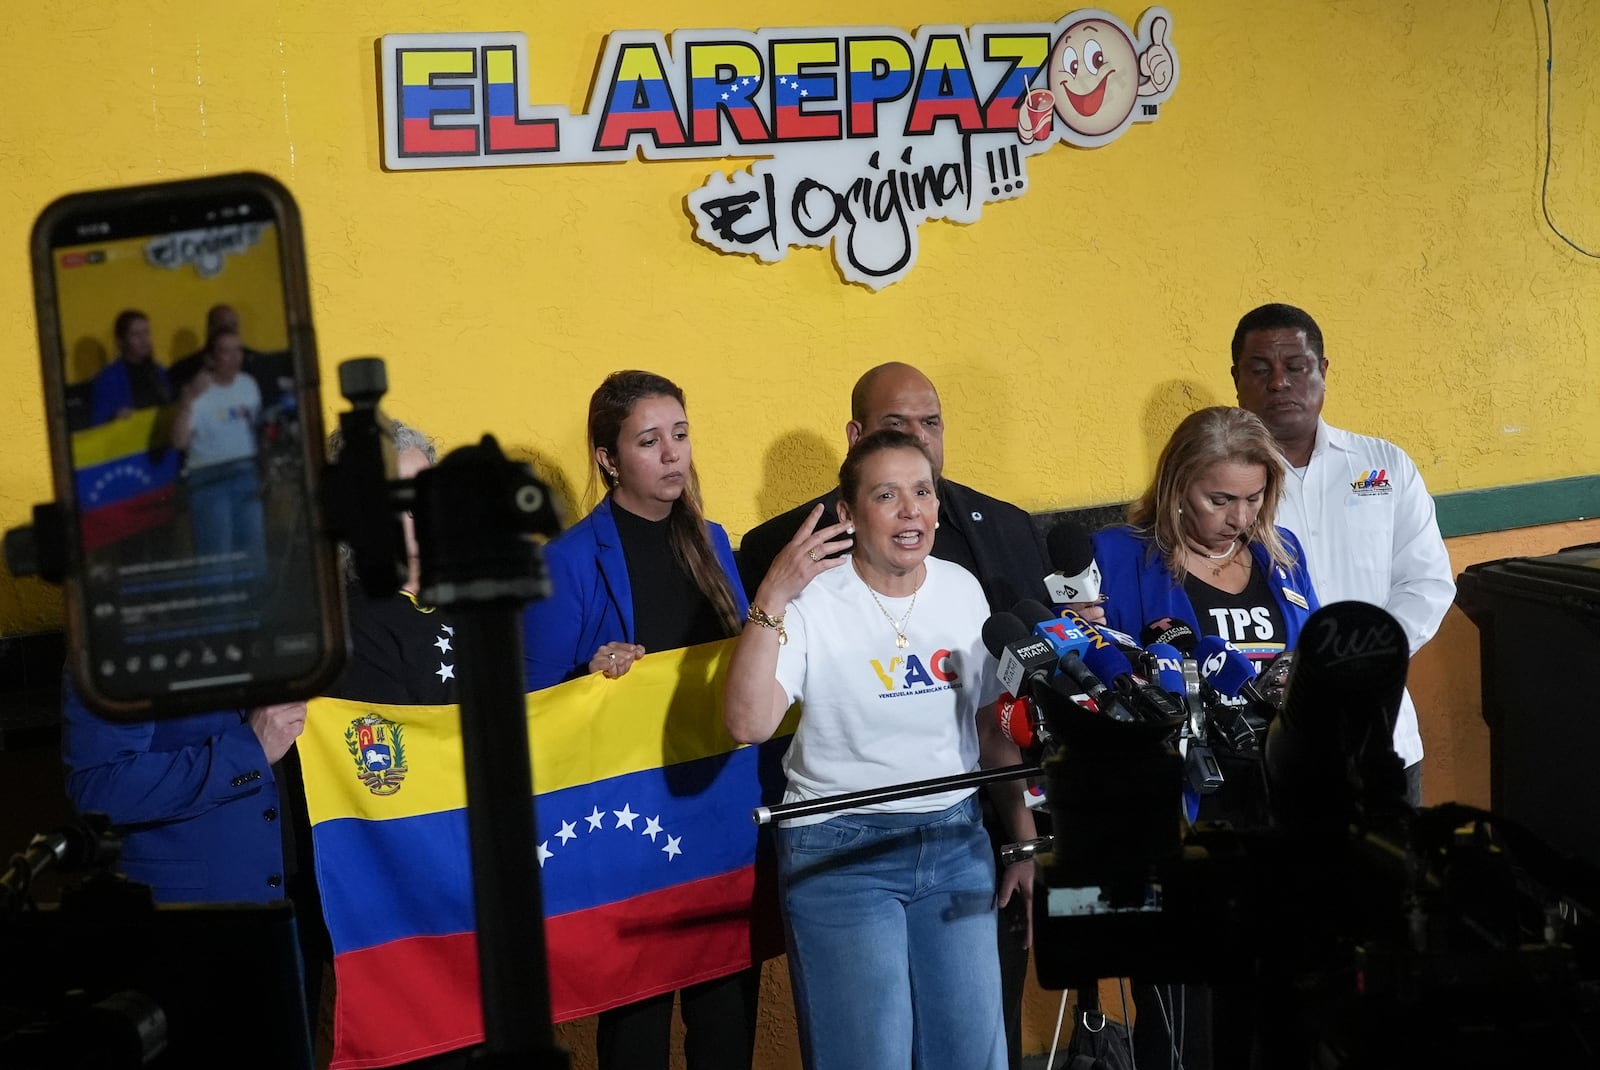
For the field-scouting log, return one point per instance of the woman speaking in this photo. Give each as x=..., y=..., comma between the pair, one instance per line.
x=644, y=571
x=889, y=908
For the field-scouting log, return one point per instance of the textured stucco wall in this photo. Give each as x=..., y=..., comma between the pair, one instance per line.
x=1378, y=162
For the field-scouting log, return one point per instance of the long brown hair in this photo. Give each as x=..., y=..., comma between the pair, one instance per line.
x=686, y=532
x=1211, y=436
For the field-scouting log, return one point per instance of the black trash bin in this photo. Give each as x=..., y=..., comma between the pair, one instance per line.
x=1538, y=620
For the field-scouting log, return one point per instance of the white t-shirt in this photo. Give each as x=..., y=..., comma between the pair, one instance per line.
x=223, y=422
x=876, y=715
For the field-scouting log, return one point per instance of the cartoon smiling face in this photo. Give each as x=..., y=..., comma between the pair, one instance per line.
x=1094, y=72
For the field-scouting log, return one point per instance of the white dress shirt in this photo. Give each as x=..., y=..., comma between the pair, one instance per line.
x=1368, y=527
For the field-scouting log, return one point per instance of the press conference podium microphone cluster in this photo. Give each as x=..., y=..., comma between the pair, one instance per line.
x=1367, y=934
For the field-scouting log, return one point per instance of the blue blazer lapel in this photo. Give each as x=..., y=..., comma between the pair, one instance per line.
x=613, y=565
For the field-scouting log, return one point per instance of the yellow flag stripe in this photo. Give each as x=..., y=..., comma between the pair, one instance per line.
x=667, y=709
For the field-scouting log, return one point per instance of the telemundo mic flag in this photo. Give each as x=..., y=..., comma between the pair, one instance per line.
x=647, y=853
x=123, y=480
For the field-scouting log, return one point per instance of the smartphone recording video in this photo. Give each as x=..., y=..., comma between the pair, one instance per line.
x=186, y=441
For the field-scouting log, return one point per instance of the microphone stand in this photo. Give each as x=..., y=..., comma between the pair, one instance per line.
x=473, y=513
x=764, y=815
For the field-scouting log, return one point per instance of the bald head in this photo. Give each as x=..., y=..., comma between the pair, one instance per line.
x=222, y=318
x=898, y=396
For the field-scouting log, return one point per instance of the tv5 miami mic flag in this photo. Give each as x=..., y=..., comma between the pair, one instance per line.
x=125, y=476
x=647, y=852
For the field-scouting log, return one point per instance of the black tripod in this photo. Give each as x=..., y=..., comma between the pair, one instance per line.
x=473, y=515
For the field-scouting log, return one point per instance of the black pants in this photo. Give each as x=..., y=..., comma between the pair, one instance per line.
x=719, y=1019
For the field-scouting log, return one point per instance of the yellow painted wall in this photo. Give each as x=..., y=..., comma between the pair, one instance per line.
x=1377, y=162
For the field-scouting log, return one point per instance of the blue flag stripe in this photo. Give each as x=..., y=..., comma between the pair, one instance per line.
x=411, y=876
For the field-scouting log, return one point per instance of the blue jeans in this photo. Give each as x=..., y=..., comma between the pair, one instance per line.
x=892, y=941
x=225, y=506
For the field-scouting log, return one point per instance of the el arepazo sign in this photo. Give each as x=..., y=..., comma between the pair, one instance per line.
x=860, y=134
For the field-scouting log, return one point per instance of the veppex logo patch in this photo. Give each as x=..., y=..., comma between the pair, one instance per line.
x=1372, y=481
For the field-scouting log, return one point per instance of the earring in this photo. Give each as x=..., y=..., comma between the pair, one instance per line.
x=935, y=525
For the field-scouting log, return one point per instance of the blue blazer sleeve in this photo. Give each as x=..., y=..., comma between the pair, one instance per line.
x=137, y=773
x=1136, y=583
x=553, y=628
x=724, y=549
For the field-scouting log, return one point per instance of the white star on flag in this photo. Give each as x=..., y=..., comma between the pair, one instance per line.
x=595, y=818
x=672, y=849
x=724, y=96
x=805, y=92
x=782, y=80
x=568, y=831
x=447, y=629
x=443, y=644
x=625, y=816
x=445, y=672
x=652, y=827
x=544, y=853
x=745, y=82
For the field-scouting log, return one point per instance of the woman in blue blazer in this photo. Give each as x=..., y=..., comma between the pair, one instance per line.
x=1201, y=546
x=645, y=571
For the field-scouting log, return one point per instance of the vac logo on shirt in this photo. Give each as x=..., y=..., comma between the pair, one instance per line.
x=1372, y=481
x=912, y=674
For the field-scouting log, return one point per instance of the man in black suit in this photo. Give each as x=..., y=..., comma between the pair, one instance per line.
x=992, y=539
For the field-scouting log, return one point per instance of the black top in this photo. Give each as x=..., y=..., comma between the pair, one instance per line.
x=147, y=385
x=669, y=611
x=992, y=539
x=1250, y=620
x=401, y=654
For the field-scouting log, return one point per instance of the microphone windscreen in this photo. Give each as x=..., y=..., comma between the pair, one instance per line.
x=1015, y=720
x=1107, y=662
x=1350, y=653
x=1172, y=632
x=1003, y=628
x=1031, y=611
x=1223, y=666
x=1070, y=548
x=1169, y=667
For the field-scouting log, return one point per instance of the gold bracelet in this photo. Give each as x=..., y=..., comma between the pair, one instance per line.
x=757, y=615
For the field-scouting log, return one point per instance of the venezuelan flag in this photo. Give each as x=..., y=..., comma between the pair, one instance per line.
x=646, y=850
x=124, y=480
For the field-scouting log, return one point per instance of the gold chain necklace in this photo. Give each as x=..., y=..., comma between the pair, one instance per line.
x=899, y=626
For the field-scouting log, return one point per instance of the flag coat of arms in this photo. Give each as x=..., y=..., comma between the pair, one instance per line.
x=647, y=853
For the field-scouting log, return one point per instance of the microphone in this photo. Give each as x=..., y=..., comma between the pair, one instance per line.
x=1172, y=632
x=1229, y=672
x=1226, y=668
x=1330, y=752
x=1148, y=703
x=1019, y=724
x=1064, y=634
x=1168, y=668
x=1026, y=661
x=1076, y=577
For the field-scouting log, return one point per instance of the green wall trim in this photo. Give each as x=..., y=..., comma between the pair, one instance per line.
x=1519, y=505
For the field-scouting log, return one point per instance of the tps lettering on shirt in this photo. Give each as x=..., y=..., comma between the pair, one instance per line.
x=1238, y=625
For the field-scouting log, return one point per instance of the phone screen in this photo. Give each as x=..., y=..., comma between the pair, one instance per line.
x=187, y=399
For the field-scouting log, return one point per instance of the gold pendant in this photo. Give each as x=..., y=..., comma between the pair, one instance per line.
x=901, y=641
